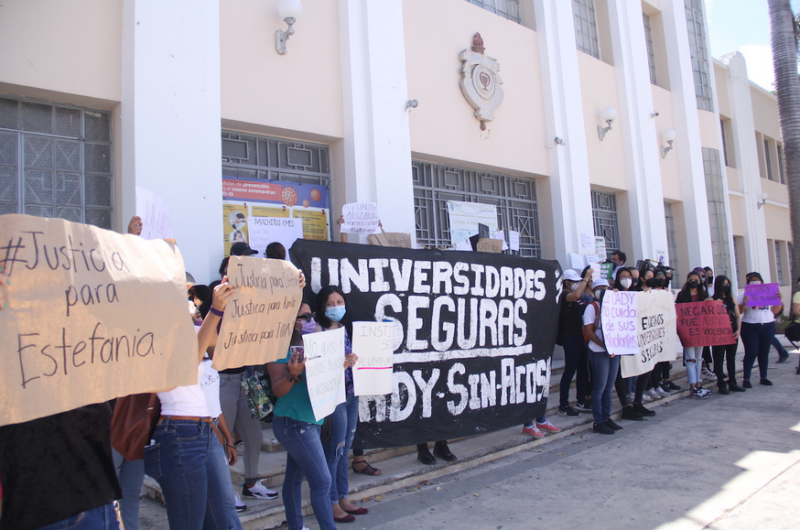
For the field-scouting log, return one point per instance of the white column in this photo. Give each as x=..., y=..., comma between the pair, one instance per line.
x=641, y=145
x=746, y=155
x=377, y=143
x=171, y=121
x=688, y=147
x=570, y=189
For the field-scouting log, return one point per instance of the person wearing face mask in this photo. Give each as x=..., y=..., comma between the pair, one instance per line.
x=693, y=355
x=758, y=329
x=706, y=282
x=297, y=430
x=722, y=291
x=331, y=310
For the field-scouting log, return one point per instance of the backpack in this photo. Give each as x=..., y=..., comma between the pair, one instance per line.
x=597, y=322
x=133, y=423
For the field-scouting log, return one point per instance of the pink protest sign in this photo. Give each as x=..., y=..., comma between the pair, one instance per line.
x=704, y=324
x=760, y=295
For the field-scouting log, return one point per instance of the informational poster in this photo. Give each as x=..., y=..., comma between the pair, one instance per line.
x=266, y=230
x=92, y=315
x=373, y=342
x=607, y=271
x=259, y=320
x=600, y=248
x=466, y=216
x=473, y=335
x=324, y=353
x=154, y=211
x=704, y=324
x=513, y=240
x=761, y=295
x=587, y=243
x=360, y=218
x=245, y=198
x=500, y=235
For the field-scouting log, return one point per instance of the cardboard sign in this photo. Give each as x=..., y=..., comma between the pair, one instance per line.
x=360, y=218
x=619, y=312
x=324, y=353
x=373, y=342
x=704, y=324
x=761, y=295
x=259, y=319
x=92, y=315
x=390, y=239
x=495, y=246
x=266, y=230
x=655, y=333
x=154, y=211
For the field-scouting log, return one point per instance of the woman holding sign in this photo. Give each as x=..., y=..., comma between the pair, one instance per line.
x=758, y=328
x=722, y=291
x=693, y=355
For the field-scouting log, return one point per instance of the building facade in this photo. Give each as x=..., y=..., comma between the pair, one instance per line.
x=100, y=97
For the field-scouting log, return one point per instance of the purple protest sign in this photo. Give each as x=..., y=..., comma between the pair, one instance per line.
x=760, y=295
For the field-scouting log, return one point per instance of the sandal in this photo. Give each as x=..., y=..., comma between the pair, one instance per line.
x=367, y=469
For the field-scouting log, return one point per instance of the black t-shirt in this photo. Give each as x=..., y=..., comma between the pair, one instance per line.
x=56, y=467
x=730, y=305
x=570, y=319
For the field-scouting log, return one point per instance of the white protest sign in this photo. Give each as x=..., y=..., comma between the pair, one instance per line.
x=325, y=370
x=600, y=247
x=92, y=315
x=154, y=211
x=591, y=261
x=360, y=218
x=500, y=234
x=373, y=342
x=266, y=230
x=513, y=240
x=259, y=319
x=466, y=216
x=577, y=261
x=619, y=322
x=656, y=333
x=587, y=243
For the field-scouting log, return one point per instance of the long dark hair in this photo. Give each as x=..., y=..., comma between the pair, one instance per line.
x=686, y=292
x=322, y=299
x=718, y=282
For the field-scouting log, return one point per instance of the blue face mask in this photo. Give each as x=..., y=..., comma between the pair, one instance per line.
x=335, y=313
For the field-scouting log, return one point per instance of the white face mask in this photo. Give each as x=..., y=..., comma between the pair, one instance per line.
x=754, y=282
x=574, y=286
x=597, y=294
x=626, y=282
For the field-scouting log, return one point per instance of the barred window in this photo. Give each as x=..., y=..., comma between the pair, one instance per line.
x=514, y=198
x=768, y=159
x=55, y=161
x=778, y=262
x=697, y=45
x=606, y=222
x=651, y=56
x=672, y=244
x=724, y=142
x=505, y=8
x=585, y=27
x=780, y=165
x=736, y=259
x=717, y=215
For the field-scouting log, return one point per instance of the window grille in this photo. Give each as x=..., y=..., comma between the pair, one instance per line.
x=505, y=8
x=718, y=218
x=585, y=27
x=697, y=45
x=780, y=165
x=768, y=159
x=672, y=244
x=606, y=223
x=514, y=197
x=778, y=262
x=724, y=143
x=736, y=259
x=55, y=161
x=651, y=56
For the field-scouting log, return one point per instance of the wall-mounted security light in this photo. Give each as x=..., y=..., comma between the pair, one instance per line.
x=289, y=11
x=669, y=137
x=608, y=115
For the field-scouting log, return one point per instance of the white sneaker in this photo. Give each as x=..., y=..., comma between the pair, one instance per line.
x=661, y=392
x=653, y=394
x=240, y=506
x=646, y=398
x=258, y=491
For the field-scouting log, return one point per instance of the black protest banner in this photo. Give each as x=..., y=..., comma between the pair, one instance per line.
x=474, y=335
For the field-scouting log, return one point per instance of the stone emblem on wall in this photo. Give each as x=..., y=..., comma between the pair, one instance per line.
x=480, y=81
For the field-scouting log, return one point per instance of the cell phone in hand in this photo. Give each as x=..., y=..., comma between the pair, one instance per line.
x=299, y=352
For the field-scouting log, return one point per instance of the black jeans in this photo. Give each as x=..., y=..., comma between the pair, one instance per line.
x=642, y=382
x=729, y=352
x=574, y=352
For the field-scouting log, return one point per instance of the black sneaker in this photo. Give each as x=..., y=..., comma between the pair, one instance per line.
x=568, y=411
x=766, y=382
x=629, y=414
x=638, y=407
x=746, y=383
x=583, y=408
x=611, y=423
x=783, y=359
x=672, y=386
x=602, y=428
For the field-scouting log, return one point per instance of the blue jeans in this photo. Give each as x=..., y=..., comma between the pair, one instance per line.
x=219, y=463
x=304, y=457
x=100, y=518
x=604, y=372
x=778, y=346
x=574, y=347
x=130, y=474
x=183, y=462
x=757, y=339
x=343, y=428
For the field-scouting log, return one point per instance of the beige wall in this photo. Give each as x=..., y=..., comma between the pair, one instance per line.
x=72, y=48
x=737, y=213
x=709, y=131
x=607, y=157
x=765, y=112
x=777, y=192
x=733, y=177
x=721, y=76
x=300, y=92
x=436, y=32
x=670, y=169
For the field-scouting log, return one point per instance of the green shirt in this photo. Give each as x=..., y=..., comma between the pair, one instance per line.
x=296, y=404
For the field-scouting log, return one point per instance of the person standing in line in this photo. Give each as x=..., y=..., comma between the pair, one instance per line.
x=693, y=355
x=623, y=281
x=758, y=329
x=727, y=352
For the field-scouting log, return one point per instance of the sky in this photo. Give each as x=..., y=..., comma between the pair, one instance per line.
x=743, y=25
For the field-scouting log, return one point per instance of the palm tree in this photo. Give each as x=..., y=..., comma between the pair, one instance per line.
x=784, y=61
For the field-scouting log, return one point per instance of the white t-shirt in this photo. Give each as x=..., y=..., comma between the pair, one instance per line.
x=756, y=315
x=589, y=317
x=209, y=382
x=185, y=400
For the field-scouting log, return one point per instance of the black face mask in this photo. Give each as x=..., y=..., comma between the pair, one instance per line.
x=710, y=280
x=726, y=289
x=661, y=282
x=652, y=282
x=694, y=284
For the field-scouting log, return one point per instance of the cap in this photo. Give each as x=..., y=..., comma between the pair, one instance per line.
x=600, y=283
x=242, y=249
x=571, y=276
